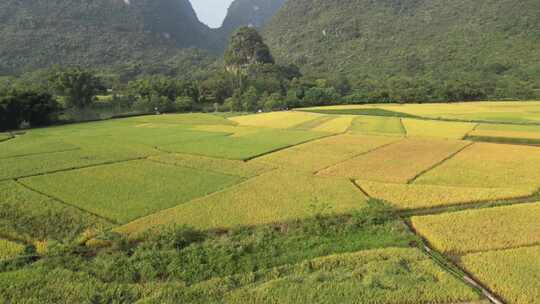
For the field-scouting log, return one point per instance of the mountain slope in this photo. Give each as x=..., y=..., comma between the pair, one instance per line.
x=36, y=34
x=254, y=13
x=432, y=38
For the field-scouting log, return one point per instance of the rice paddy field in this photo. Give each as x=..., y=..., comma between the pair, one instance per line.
x=319, y=205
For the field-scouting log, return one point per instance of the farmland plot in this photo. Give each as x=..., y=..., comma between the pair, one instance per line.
x=277, y=196
x=514, y=274
x=224, y=166
x=397, y=163
x=181, y=119
x=24, y=145
x=319, y=154
x=29, y=216
x=410, y=197
x=488, y=165
x=246, y=146
x=482, y=229
x=125, y=191
x=378, y=125
x=280, y=120
x=436, y=129
x=338, y=125
x=521, y=134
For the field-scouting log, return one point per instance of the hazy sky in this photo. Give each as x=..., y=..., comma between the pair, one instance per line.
x=211, y=12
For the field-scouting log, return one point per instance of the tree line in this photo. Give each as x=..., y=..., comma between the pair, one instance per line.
x=249, y=80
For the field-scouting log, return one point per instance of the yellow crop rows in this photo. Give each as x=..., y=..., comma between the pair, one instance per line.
x=488, y=165
x=276, y=196
x=319, y=154
x=337, y=125
x=9, y=249
x=432, y=128
x=398, y=162
x=409, y=197
x=482, y=229
x=280, y=120
x=514, y=274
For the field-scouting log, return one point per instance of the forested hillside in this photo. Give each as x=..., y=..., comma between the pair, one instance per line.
x=475, y=40
x=36, y=34
x=254, y=13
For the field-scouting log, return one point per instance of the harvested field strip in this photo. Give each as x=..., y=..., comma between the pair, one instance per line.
x=125, y=191
x=181, y=119
x=280, y=120
x=338, y=125
x=514, y=274
x=310, y=124
x=223, y=166
x=276, y=196
x=436, y=129
x=319, y=154
x=397, y=163
x=9, y=249
x=377, y=126
x=488, y=165
x=469, y=231
x=412, y=197
x=29, y=216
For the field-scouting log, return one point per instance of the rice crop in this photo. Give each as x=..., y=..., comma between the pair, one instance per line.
x=526, y=134
x=378, y=125
x=29, y=216
x=319, y=154
x=396, y=163
x=482, y=229
x=437, y=129
x=31, y=145
x=125, y=191
x=488, y=165
x=10, y=249
x=280, y=120
x=276, y=196
x=224, y=166
x=513, y=274
x=246, y=146
x=338, y=125
x=410, y=197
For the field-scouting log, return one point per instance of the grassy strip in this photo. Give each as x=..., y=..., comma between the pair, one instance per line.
x=504, y=140
x=310, y=124
x=367, y=111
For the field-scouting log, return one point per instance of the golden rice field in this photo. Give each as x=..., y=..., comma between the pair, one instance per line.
x=488, y=165
x=277, y=196
x=437, y=129
x=279, y=120
x=514, y=274
x=399, y=162
x=337, y=125
x=10, y=249
x=412, y=196
x=482, y=229
x=389, y=126
x=322, y=153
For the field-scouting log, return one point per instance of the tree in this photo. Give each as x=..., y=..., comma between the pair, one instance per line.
x=78, y=87
x=250, y=100
x=17, y=106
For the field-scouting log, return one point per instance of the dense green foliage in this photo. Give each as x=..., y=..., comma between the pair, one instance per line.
x=129, y=35
x=414, y=50
x=18, y=106
x=254, y=13
x=78, y=87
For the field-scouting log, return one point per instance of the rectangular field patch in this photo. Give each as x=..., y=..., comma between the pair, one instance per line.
x=319, y=154
x=378, y=125
x=274, y=197
x=488, y=165
x=512, y=274
x=481, y=229
x=125, y=191
x=279, y=120
x=437, y=129
x=397, y=163
x=411, y=197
